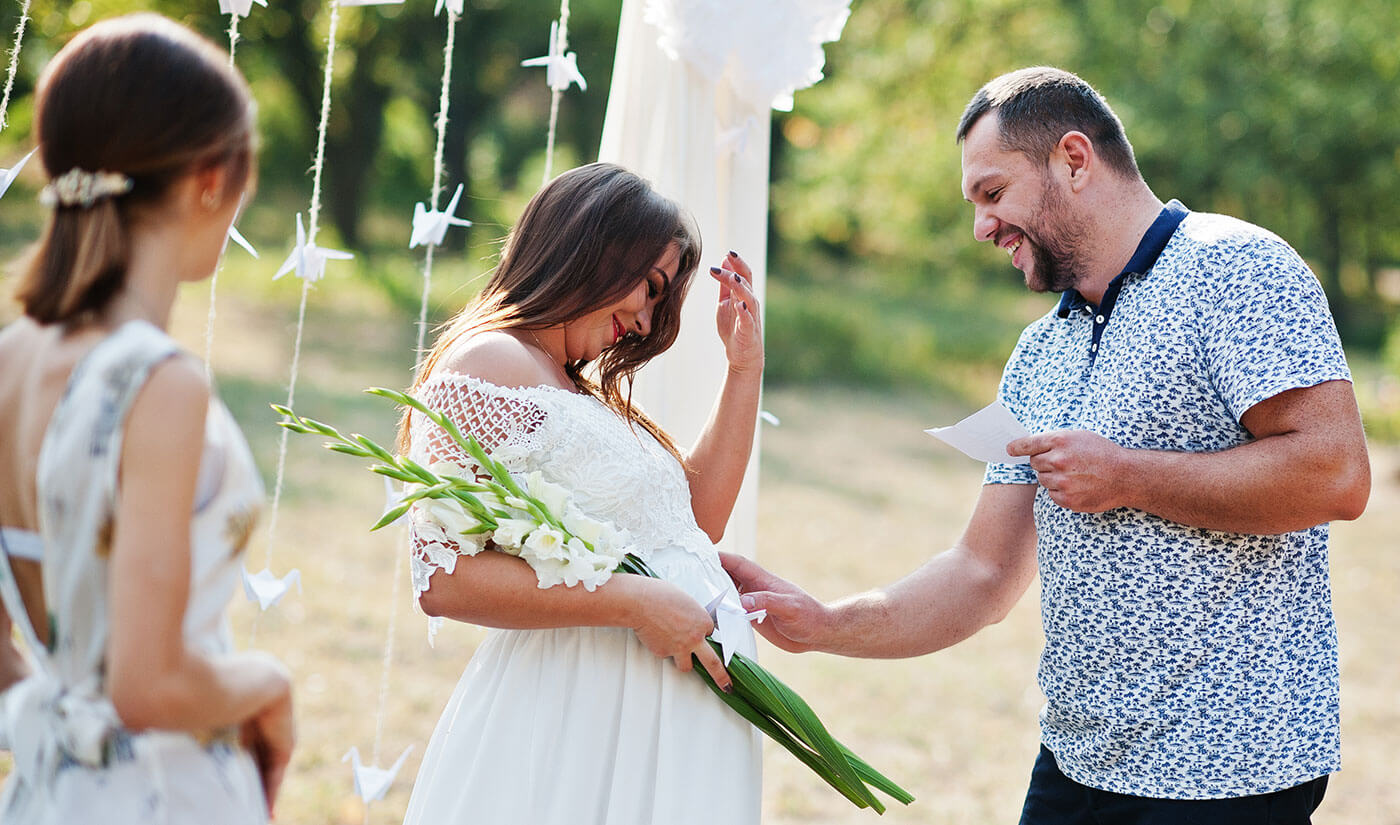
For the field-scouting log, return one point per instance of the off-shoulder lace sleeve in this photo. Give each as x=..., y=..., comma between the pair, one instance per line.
x=507, y=424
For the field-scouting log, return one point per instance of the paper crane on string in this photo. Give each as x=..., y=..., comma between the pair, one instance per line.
x=562, y=69
x=454, y=7
x=735, y=140
x=239, y=8
x=237, y=237
x=7, y=176
x=371, y=2
x=430, y=226
x=372, y=782
x=308, y=259
x=266, y=589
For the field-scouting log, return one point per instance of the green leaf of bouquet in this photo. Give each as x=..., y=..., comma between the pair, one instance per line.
x=873, y=777
x=369, y=444
x=392, y=472
x=347, y=449
x=800, y=717
x=391, y=516
x=751, y=708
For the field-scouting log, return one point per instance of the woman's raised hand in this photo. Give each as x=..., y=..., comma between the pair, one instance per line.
x=673, y=625
x=737, y=316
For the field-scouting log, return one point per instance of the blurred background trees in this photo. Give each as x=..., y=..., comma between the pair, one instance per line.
x=1282, y=112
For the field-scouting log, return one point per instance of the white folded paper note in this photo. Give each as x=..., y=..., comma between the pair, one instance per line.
x=985, y=434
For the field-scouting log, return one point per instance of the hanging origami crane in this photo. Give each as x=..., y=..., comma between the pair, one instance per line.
x=237, y=237
x=266, y=589
x=371, y=782
x=735, y=139
x=562, y=69
x=430, y=226
x=370, y=2
x=308, y=259
x=239, y=8
x=7, y=176
x=454, y=7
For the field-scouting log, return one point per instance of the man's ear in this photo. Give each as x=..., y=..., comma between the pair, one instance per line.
x=1076, y=152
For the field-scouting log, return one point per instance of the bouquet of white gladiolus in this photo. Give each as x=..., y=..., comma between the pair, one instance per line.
x=538, y=521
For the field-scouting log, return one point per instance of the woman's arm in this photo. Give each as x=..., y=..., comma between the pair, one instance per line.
x=12, y=665
x=155, y=680
x=717, y=462
x=497, y=590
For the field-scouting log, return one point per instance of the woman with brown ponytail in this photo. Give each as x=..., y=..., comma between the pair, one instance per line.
x=125, y=485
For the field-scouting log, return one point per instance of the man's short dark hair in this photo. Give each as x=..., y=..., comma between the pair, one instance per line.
x=1037, y=106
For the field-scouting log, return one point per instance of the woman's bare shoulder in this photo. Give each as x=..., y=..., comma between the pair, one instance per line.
x=499, y=358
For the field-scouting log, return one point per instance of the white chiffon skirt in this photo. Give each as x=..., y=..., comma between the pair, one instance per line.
x=584, y=725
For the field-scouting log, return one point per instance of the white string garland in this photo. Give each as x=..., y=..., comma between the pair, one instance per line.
x=556, y=94
x=214, y=279
x=444, y=102
x=315, y=212
x=14, y=60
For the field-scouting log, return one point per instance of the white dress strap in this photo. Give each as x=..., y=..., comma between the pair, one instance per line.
x=21, y=544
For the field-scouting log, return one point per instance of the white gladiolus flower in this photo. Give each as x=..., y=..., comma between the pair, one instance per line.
x=442, y=469
x=449, y=514
x=545, y=542
x=554, y=497
x=511, y=532
x=553, y=571
x=590, y=530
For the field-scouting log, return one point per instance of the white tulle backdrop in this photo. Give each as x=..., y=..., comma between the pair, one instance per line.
x=692, y=87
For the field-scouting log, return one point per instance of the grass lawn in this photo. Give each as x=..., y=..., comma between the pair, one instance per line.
x=853, y=495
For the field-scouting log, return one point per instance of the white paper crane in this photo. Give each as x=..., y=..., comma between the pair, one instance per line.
x=453, y=7
x=266, y=589
x=735, y=140
x=7, y=176
x=562, y=69
x=372, y=782
x=308, y=259
x=239, y=8
x=430, y=226
x=237, y=237
x=370, y=2
x=731, y=623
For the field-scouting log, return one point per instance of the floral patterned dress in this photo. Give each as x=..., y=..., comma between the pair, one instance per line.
x=73, y=760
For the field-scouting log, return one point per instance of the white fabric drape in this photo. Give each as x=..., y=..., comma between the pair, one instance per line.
x=689, y=110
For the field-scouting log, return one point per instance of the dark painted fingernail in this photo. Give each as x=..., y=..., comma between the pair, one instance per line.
x=715, y=270
x=732, y=252
x=729, y=688
x=744, y=304
x=736, y=277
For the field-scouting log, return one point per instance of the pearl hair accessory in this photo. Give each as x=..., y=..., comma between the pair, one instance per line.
x=79, y=187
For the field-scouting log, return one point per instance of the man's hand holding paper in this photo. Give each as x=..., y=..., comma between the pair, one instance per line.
x=1081, y=470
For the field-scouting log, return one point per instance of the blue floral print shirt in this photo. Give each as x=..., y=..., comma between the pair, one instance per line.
x=1181, y=662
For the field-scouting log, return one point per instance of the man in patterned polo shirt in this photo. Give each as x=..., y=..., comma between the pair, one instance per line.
x=1194, y=430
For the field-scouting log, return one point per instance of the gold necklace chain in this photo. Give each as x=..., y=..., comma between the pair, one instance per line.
x=563, y=373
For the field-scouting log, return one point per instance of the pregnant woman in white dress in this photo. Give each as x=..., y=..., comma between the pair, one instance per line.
x=570, y=713
x=125, y=486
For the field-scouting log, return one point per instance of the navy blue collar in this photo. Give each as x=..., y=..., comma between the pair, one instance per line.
x=1144, y=257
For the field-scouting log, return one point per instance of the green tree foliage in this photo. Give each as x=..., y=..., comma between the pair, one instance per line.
x=1283, y=112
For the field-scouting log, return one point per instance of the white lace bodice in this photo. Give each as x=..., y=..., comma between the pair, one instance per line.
x=615, y=472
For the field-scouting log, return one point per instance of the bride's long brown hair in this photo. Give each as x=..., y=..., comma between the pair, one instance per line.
x=585, y=240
